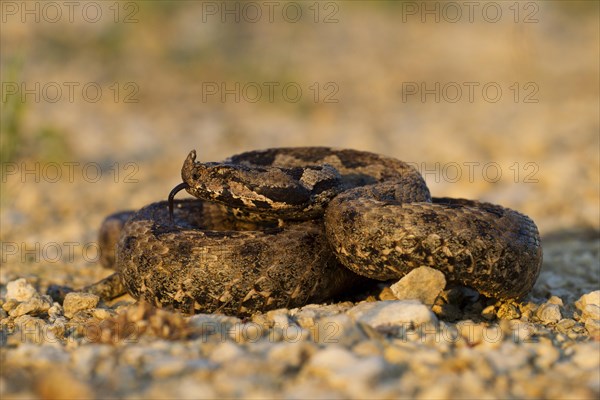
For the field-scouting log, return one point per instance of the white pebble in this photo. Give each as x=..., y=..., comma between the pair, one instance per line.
x=423, y=283
x=549, y=313
x=392, y=313
x=19, y=290
x=343, y=369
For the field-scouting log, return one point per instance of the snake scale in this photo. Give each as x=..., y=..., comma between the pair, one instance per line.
x=284, y=227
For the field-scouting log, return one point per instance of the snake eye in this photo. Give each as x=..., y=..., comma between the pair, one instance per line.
x=195, y=176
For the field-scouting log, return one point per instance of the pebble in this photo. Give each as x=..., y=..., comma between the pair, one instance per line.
x=56, y=311
x=555, y=300
x=528, y=310
x=338, y=329
x=588, y=306
x=34, y=305
x=489, y=313
x=78, y=301
x=592, y=298
x=508, y=311
x=400, y=313
x=343, y=369
x=19, y=290
x=593, y=327
x=549, y=313
x=565, y=324
x=102, y=314
x=422, y=283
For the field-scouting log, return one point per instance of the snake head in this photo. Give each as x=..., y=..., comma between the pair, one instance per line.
x=200, y=177
x=197, y=179
x=187, y=172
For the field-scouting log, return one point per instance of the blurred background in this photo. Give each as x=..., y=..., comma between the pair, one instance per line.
x=102, y=101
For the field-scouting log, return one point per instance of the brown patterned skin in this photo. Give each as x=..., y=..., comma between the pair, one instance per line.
x=492, y=249
x=257, y=239
x=195, y=266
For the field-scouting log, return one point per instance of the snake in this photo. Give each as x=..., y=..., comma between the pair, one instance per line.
x=286, y=227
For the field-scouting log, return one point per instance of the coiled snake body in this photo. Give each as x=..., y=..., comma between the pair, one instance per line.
x=285, y=227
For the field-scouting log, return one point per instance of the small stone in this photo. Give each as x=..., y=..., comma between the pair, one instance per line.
x=102, y=314
x=59, y=327
x=31, y=330
x=589, y=308
x=340, y=329
x=549, y=313
x=590, y=311
x=78, y=301
x=565, y=324
x=56, y=311
x=10, y=305
x=592, y=298
x=392, y=313
x=278, y=318
x=423, y=283
x=508, y=311
x=517, y=330
x=555, y=300
x=489, y=313
x=593, y=327
x=19, y=290
x=342, y=369
x=35, y=305
x=528, y=310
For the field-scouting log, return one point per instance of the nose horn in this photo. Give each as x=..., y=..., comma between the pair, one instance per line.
x=188, y=166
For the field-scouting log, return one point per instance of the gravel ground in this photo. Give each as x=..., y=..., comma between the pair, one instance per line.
x=66, y=164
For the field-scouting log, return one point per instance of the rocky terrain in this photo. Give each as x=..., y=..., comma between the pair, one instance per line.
x=364, y=69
